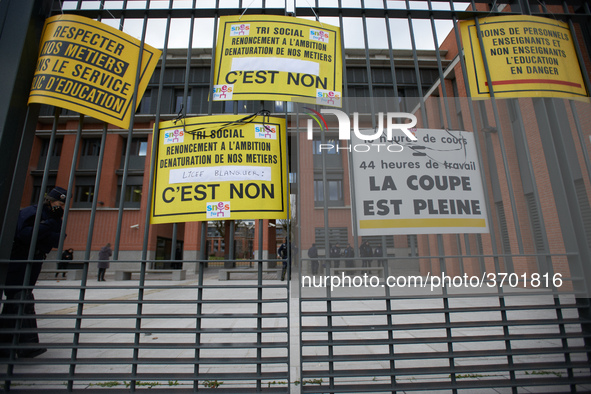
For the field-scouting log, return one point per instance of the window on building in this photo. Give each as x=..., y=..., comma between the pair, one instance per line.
x=282, y=106
x=458, y=104
x=89, y=154
x=338, y=235
x=83, y=192
x=56, y=150
x=37, y=187
x=329, y=146
x=143, y=147
x=201, y=103
x=132, y=197
x=53, y=157
x=145, y=106
x=138, y=147
x=91, y=147
x=333, y=158
x=376, y=240
x=240, y=106
x=137, y=150
x=335, y=192
x=178, y=100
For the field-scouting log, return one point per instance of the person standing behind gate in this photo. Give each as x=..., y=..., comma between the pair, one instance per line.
x=348, y=253
x=335, y=251
x=379, y=253
x=67, y=255
x=365, y=251
x=313, y=255
x=48, y=237
x=104, y=255
x=283, y=255
x=178, y=255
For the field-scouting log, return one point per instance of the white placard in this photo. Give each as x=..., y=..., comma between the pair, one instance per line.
x=219, y=174
x=431, y=186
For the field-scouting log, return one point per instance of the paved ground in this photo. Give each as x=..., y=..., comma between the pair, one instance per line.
x=109, y=298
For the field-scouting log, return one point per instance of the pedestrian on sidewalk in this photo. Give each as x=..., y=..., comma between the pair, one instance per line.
x=283, y=255
x=103, y=264
x=313, y=255
x=67, y=255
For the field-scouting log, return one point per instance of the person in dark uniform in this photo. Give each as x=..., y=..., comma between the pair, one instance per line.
x=283, y=255
x=313, y=255
x=178, y=255
x=335, y=251
x=48, y=236
x=348, y=253
x=67, y=255
x=365, y=251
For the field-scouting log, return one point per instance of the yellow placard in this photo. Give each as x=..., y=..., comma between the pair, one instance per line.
x=221, y=168
x=89, y=67
x=262, y=57
x=527, y=56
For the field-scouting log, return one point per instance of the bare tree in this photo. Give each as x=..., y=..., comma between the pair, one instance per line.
x=220, y=226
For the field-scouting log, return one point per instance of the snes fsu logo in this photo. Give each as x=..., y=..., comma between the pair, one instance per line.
x=240, y=30
x=319, y=35
x=220, y=209
x=174, y=136
x=223, y=92
x=267, y=132
x=328, y=97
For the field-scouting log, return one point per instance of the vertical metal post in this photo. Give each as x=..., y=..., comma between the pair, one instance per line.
x=446, y=314
x=16, y=187
x=138, y=323
x=556, y=139
x=485, y=187
x=259, y=299
x=391, y=57
x=580, y=134
x=502, y=144
x=476, y=136
x=231, y=237
x=86, y=268
x=199, y=306
x=416, y=64
x=213, y=55
x=21, y=24
x=44, y=184
x=524, y=157
x=439, y=67
x=70, y=187
x=32, y=247
x=128, y=144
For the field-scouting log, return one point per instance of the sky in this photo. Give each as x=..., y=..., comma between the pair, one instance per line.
x=203, y=35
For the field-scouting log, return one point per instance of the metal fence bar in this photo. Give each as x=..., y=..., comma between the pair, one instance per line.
x=419, y=341
x=84, y=279
x=502, y=145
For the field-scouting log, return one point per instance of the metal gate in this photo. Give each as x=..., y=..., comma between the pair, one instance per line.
x=191, y=329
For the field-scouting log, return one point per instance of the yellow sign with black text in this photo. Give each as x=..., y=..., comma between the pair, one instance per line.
x=527, y=56
x=89, y=67
x=264, y=57
x=221, y=168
